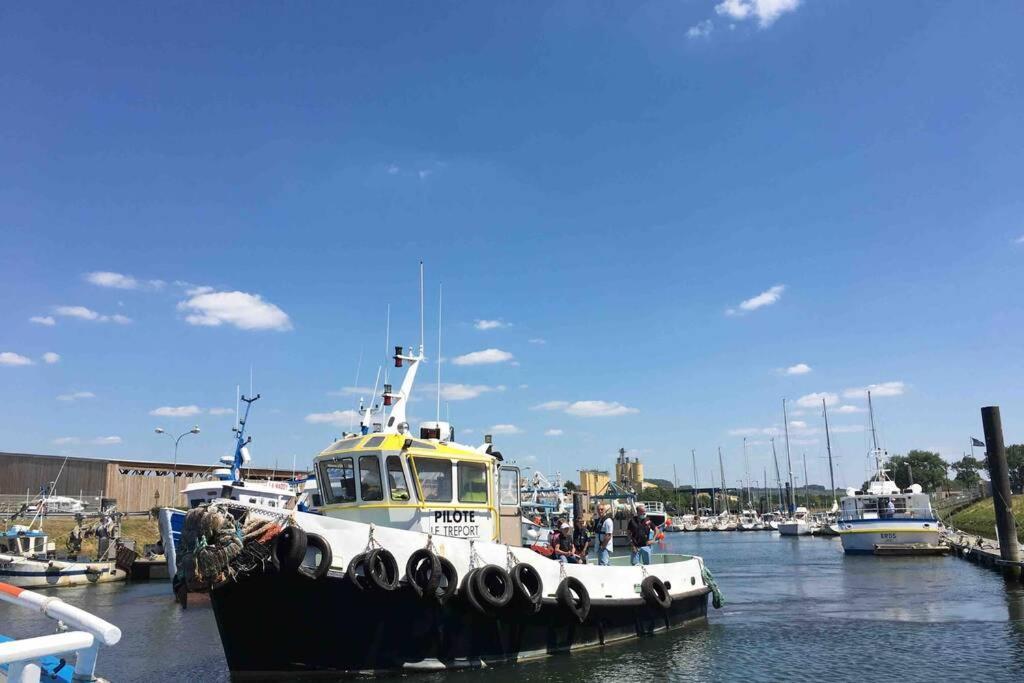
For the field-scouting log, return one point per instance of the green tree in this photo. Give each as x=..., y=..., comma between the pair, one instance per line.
x=1015, y=461
x=569, y=485
x=967, y=471
x=929, y=470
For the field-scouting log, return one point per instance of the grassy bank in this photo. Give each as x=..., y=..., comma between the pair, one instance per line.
x=980, y=518
x=142, y=529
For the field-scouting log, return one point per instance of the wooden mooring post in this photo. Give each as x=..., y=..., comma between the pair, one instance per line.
x=995, y=454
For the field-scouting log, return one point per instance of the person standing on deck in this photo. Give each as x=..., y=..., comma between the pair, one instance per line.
x=605, y=533
x=561, y=542
x=580, y=540
x=640, y=536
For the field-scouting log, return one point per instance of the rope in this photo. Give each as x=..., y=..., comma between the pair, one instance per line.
x=371, y=542
x=473, y=557
x=561, y=570
x=430, y=543
x=716, y=595
x=510, y=558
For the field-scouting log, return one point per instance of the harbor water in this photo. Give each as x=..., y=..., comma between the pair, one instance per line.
x=797, y=609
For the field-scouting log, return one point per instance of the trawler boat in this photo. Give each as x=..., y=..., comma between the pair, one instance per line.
x=883, y=515
x=27, y=561
x=797, y=525
x=228, y=483
x=418, y=556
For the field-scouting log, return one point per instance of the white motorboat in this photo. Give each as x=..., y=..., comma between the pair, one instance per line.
x=27, y=560
x=797, y=525
x=749, y=520
x=883, y=515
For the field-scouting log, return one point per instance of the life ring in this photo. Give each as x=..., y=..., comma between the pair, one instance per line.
x=382, y=568
x=423, y=572
x=528, y=587
x=654, y=591
x=323, y=564
x=290, y=548
x=578, y=604
x=467, y=590
x=358, y=580
x=449, y=581
x=492, y=586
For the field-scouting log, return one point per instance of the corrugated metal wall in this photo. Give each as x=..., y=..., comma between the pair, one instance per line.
x=20, y=472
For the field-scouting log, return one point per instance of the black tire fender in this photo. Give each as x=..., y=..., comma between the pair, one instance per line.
x=467, y=588
x=579, y=604
x=290, y=548
x=382, y=568
x=493, y=586
x=423, y=572
x=318, y=542
x=528, y=587
x=449, y=581
x=358, y=580
x=654, y=591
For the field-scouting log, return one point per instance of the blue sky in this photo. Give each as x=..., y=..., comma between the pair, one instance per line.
x=610, y=183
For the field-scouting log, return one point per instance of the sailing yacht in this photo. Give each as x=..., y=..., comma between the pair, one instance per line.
x=797, y=525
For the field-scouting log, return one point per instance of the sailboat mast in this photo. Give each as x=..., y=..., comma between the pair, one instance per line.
x=778, y=476
x=828, y=446
x=807, y=499
x=693, y=456
x=789, y=458
x=871, y=415
x=746, y=469
x=721, y=472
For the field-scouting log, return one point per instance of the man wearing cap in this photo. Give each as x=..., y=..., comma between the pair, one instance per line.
x=562, y=543
x=640, y=536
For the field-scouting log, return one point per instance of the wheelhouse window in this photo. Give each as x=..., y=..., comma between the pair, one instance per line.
x=369, y=478
x=374, y=442
x=396, y=479
x=472, y=482
x=435, y=477
x=508, y=485
x=341, y=479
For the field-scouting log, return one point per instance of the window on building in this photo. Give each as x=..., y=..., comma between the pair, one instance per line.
x=341, y=480
x=435, y=477
x=396, y=479
x=369, y=478
x=472, y=482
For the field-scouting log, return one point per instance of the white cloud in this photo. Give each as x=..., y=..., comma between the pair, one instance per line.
x=241, y=309
x=551, y=405
x=846, y=429
x=462, y=392
x=50, y=357
x=877, y=390
x=765, y=11
x=798, y=369
x=744, y=431
x=537, y=340
x=351, y=391
x=505, y=429
x=803, y=442
x=700, y=30
x=221, y=411
x=175, y=411
x=1019, y=240
x=553, y=432
x=848, y=410
x=43, y=320
x=797, y=424
x=76, y=396
x=393, y=169
x=814, y=400
x=102, y=278
x=487, y=356
x=13, y=359
x=83, y=313
x=490, y=324
x=423, y=173
x=66, y=440
x=524, y=386
x=599, y=409
x=765, y=298
x=341, y=418
x=106, y=441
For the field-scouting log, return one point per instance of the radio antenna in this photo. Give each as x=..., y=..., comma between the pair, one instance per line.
x=421, y=308
x=440, y=292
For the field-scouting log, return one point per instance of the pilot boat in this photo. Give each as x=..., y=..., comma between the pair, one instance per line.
x=416, y=564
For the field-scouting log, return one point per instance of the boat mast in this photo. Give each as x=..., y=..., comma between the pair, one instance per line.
x=871, y=415
x=789, y=458
x=828, y=446
x=439, y=295
x=807, y=498
x=696, y=508
x=721, y=472
x=778, y=476
x=746, y=469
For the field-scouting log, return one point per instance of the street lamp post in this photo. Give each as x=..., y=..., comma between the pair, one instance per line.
x=160, y=430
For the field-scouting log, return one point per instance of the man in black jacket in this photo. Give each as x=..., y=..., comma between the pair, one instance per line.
x=640, y=536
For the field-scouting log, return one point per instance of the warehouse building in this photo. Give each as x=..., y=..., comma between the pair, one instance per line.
x=136, y=485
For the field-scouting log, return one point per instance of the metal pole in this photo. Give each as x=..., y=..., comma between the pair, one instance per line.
x=995, y=454
x=789, y=459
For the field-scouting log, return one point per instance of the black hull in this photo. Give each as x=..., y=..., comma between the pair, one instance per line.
x=275, y=625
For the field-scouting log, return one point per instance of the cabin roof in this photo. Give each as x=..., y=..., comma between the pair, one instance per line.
x=396, y=442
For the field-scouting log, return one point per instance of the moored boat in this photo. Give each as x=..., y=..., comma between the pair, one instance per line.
x=27, y=560
x=797, y=525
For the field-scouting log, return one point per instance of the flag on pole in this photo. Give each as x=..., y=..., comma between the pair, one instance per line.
x=975, y=442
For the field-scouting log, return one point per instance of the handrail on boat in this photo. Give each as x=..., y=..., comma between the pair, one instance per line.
x=21, y=655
